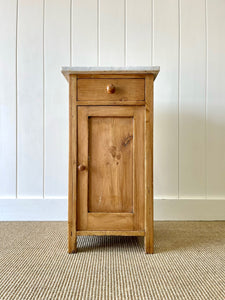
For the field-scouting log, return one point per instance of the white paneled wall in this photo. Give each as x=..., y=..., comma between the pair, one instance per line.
x=138, y=39
x=30, y=111
x=84, y=32
x=192, y=86
x=166, y=55
x=111, y=32
x=184, y=37
x=215, y=101
x=55, y=106
x=8, y=91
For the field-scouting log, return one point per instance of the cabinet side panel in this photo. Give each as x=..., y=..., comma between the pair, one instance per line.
x=72, y=188
x=149, y=246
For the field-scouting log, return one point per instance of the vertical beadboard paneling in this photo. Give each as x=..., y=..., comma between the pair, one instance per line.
x=192, y=99
x=189, y=143
x=111, y=33
x=8, y=16
x=139, y=32
x=166, y=47
x=84, y=32
x=30, y=98
x=216, y=100
x=56, y=54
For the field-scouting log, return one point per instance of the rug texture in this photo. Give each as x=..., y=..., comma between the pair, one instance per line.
x=189, y=263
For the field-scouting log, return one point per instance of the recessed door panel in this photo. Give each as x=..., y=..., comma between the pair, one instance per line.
x=110, y=168
x=110, y=171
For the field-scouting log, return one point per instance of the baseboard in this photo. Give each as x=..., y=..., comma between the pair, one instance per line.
x=33, y=209
x=189, y=209
x=55, y=209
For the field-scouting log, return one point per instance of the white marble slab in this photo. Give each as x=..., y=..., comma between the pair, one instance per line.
x=111, y=70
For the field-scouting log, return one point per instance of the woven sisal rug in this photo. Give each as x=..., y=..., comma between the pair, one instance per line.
x=189, y=263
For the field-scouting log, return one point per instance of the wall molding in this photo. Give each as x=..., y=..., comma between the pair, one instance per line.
x=189, y=209
x=33, y=209
x=55, y=209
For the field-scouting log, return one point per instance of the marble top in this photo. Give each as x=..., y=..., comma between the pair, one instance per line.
x=111, y=70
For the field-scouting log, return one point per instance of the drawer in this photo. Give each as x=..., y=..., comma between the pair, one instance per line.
x=111, y=89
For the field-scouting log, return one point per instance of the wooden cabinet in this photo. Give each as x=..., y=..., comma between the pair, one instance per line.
x=110, y=153
x=111, y=180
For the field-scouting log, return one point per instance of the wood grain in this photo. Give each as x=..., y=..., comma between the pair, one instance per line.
x=112, y=232
x=96, y=89
x=139, y=163
x=107, y=127
x=110, y=164
x=149, y=239
x=111, y=102
x=110, y=221
x=72, y=188
x=113, y=174
x=82, y=158
x=109, y=76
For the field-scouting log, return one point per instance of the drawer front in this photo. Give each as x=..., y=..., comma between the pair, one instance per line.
x=109, y=89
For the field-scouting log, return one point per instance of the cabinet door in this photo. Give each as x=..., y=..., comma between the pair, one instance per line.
x=110, y=193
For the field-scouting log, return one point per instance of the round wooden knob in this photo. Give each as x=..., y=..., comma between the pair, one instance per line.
x=81, y=168
x=110, y=89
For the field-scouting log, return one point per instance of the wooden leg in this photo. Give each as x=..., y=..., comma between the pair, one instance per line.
x=149, y=243
x=72, y=247
x=72, y=239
